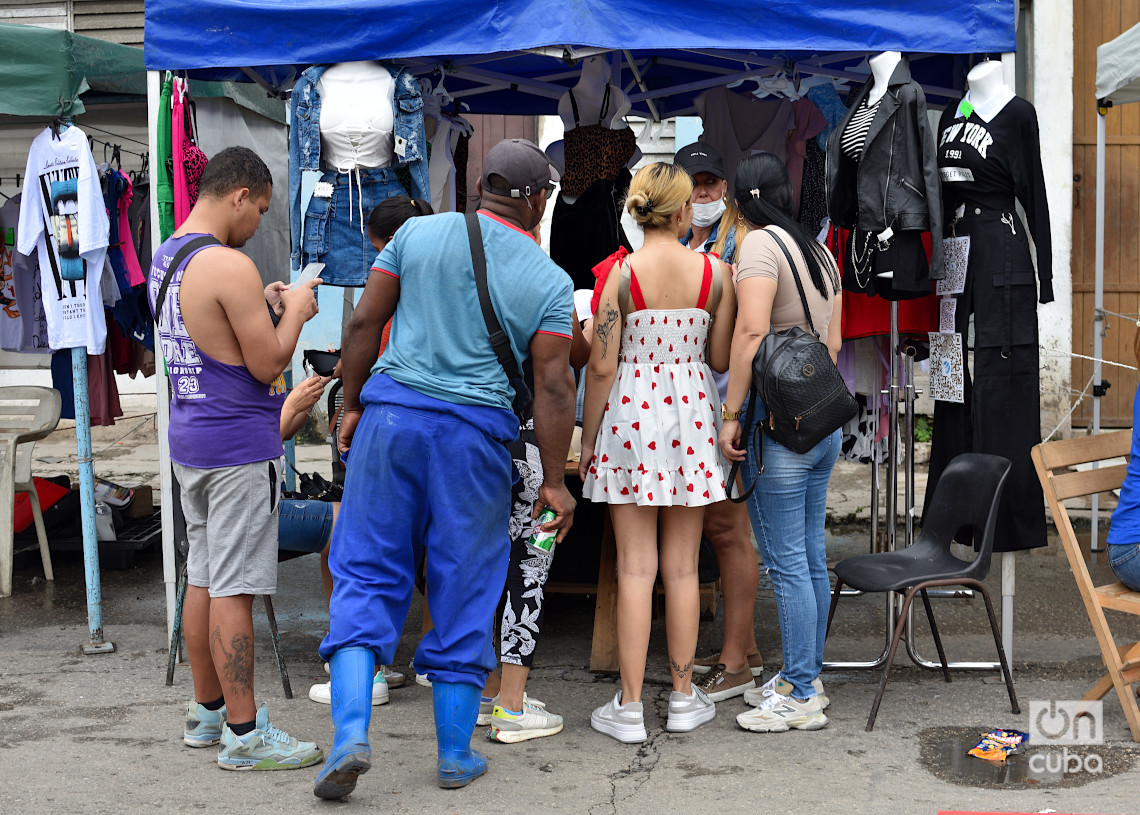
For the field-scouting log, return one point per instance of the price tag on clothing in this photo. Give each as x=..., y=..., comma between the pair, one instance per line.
x=947, y=311
x=401, y=146
x=956, y=251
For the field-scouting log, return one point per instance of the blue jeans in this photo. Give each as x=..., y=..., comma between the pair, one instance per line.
x=787, y=510
x=1125, y=561
x=304, y=526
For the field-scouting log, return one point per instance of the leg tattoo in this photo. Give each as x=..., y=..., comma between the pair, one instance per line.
x=237, y=663
x=681, y=670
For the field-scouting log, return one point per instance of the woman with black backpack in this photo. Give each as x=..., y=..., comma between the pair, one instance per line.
x=787, y=505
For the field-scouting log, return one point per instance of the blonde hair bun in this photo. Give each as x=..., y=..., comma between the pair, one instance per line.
x=657, y=192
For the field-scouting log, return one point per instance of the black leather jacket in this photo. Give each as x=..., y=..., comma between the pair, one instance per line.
x=896, y=183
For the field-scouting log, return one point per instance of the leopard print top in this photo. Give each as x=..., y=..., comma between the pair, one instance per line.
x=594, y=152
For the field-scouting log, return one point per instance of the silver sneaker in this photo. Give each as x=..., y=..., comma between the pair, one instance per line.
x=757, y=696
x=689, y=712
x=487, y=707
x=779, y=713
x=534, y=722
x=626, y=723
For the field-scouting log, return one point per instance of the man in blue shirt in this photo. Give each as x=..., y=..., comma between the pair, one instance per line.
x=429, y=473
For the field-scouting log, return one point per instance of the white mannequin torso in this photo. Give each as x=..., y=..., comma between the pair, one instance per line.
x=988, y=92
x=882, y=66
x=356, y=116
x=589, y=94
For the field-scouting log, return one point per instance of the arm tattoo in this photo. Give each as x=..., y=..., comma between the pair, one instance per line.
x=604, y=327
x=237, y=664
x=680, y=670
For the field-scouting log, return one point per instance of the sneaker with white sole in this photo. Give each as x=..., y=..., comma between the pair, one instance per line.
x=780, y=712
x=706, y=664
x=626, y=723
x=718, y=684
x=394, y=678
x=689, y=712
x=756, y=697
x=203, y=727
x=265, y=748
x=533, y=722
x=487, y=707
x=322, y=693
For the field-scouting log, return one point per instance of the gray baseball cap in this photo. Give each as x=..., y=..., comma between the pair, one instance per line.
x=525, y=167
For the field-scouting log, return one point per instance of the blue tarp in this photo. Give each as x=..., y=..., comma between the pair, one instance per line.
x=214, y=39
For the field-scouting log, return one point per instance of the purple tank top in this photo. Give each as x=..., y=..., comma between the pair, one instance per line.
x=220, y=414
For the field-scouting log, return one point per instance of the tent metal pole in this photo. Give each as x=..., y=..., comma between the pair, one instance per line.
x=161, y=386
x=1098, y=306
x=95, y=643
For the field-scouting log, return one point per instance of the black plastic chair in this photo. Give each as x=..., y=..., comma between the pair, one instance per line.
x=967, y=496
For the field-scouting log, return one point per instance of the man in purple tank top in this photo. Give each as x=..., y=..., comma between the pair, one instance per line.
x=225, y=352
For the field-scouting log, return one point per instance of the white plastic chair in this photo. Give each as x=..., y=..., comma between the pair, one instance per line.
x=27, y=414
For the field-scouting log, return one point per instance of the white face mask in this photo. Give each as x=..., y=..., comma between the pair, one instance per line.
x=708, y=214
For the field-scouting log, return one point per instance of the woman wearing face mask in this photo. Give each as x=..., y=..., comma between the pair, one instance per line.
x=718, y=228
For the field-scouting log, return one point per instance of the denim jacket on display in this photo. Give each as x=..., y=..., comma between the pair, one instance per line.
x=305, y=140
x=895, y=184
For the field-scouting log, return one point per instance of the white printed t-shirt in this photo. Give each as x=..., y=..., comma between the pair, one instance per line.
x=63, y=217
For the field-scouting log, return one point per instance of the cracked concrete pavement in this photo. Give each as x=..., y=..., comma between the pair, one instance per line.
x=100, y=734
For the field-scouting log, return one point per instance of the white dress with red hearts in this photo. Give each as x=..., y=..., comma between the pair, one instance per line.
x=657, y=444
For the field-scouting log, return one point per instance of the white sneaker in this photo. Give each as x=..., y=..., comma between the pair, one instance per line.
x=757, y=696
x=689, y=712
x=534, y=722
x=393, y=677
x=487, y=708
x=322, y=693
x=626, y=723
x=780, y=712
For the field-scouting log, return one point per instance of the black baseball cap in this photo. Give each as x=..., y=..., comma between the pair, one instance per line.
x=700, y=157
x=525, y=167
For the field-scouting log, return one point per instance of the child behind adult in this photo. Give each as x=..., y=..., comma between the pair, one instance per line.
x=385, y=218
x=649, y=437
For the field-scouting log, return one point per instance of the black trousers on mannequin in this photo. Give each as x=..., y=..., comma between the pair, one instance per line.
x=1001, y=414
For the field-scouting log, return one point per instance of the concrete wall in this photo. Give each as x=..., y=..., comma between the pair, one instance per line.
x=1050, y=35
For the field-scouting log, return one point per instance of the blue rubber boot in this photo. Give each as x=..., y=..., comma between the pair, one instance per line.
x=456, y=708
x=352, y=670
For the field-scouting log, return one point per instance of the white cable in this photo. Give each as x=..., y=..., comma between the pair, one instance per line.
x=1072, y=410
x=1090, y=359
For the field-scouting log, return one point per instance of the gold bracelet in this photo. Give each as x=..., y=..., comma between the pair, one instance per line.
x=728, y=415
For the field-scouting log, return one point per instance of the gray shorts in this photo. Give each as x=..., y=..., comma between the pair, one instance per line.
x=231, y=525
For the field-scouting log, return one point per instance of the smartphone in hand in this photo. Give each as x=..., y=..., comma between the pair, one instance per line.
x=308, y=273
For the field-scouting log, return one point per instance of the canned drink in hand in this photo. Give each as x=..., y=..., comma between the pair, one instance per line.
x=542, y=542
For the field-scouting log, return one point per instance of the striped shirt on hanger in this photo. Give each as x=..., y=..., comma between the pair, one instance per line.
x=855, y=136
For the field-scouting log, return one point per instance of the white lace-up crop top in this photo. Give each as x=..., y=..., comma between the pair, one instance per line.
x=357, y=120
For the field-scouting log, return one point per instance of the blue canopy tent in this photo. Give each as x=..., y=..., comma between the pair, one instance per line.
x=520, y=56
x=494, y=50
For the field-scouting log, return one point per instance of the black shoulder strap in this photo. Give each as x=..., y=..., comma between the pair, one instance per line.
x=574, y=107
x=188, y=248
x=796, y=277
x=499, y=340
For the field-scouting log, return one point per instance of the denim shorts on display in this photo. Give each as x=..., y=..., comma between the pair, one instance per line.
x=1125, y=561
x=231, y=526
x=335, y=231
x=304, y=526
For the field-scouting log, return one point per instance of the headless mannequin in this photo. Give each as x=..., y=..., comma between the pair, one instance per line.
x=356, y=116
x=589, y=94
x=988, y=90
x=882, y=66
